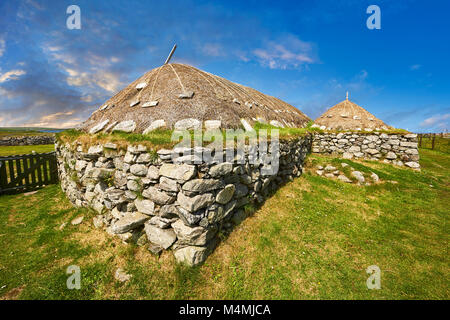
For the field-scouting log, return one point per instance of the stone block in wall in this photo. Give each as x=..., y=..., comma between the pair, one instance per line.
x=162, y=237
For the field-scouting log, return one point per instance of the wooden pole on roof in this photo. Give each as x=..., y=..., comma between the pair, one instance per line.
x=170, y=54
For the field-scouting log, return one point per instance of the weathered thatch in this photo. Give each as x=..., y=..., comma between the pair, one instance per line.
x=347, y=115
x=174, y=92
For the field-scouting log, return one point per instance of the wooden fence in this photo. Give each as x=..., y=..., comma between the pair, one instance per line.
x=434, y=141
x=27, y=172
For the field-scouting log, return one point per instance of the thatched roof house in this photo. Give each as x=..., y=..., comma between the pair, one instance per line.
x=347, y=115
x=181, y=96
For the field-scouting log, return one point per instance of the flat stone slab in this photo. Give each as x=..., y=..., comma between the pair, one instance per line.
x=77, y=220
x=187, y=124
x=125, y=126
x=162, y=237
x=141, y=85
x=145, y=206
x=129, y=222
x=98, y=127
x=180, y=172
x=186, y=95
x=149, y=104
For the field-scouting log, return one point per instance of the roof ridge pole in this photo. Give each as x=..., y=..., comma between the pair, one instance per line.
x=170, y=54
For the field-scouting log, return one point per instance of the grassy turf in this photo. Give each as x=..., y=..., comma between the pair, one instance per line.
x=18, y=150
x=23, y=131
x=313, y=239
x=440, y=143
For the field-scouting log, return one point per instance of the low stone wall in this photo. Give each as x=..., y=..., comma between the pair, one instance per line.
x=172, y=204
x=26, y=140
x=392, y=148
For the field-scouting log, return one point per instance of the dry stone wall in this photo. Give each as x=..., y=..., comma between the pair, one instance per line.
x=392, y=148
x=26, y=140
x=166, y=203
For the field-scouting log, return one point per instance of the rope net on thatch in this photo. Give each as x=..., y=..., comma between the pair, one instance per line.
x=347, y=115
x=173, y=92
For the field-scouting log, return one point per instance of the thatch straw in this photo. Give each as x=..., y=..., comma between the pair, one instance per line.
x=214, y=98
x=347, y=115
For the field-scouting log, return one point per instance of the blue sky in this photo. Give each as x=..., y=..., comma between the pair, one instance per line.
x=307, y=53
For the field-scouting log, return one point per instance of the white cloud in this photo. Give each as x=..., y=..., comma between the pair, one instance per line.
x=57, y=120
x=213, y=50
x=285, y=53
x=415, y=67
x=438, y=121
x=11, y=75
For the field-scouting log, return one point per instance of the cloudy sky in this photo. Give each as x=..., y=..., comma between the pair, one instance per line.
x=308, y=53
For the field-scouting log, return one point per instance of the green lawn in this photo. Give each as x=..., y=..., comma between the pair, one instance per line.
x=313, y=239
x=440, y=143
x=23, y=131
x=16, y=150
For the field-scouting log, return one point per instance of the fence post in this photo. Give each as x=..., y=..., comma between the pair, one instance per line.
x=420, y=140
x=432, y=141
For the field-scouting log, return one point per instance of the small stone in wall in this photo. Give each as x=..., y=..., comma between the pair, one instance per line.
x=225, y=195
x=391, y=155
x=347, y=155
x=413, y=165
x=221, y=169
x=145, y=206
x=157, y=196
x=162, y=237
x=98, y=221
x=181, y=173
x=139, y=170
x=129, y=222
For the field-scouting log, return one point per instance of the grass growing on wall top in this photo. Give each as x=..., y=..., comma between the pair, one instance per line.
x=313, y=239
x=161, y=138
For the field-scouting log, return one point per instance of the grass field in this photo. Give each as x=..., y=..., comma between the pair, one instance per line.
x=313, y=239
x=440, y=144
x=18, y=150
x=24, y=131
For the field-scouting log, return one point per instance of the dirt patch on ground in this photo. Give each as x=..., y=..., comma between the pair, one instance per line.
x=12, y=294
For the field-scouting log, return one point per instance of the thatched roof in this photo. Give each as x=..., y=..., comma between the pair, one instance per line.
x=347, y=115
x=173, y=92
